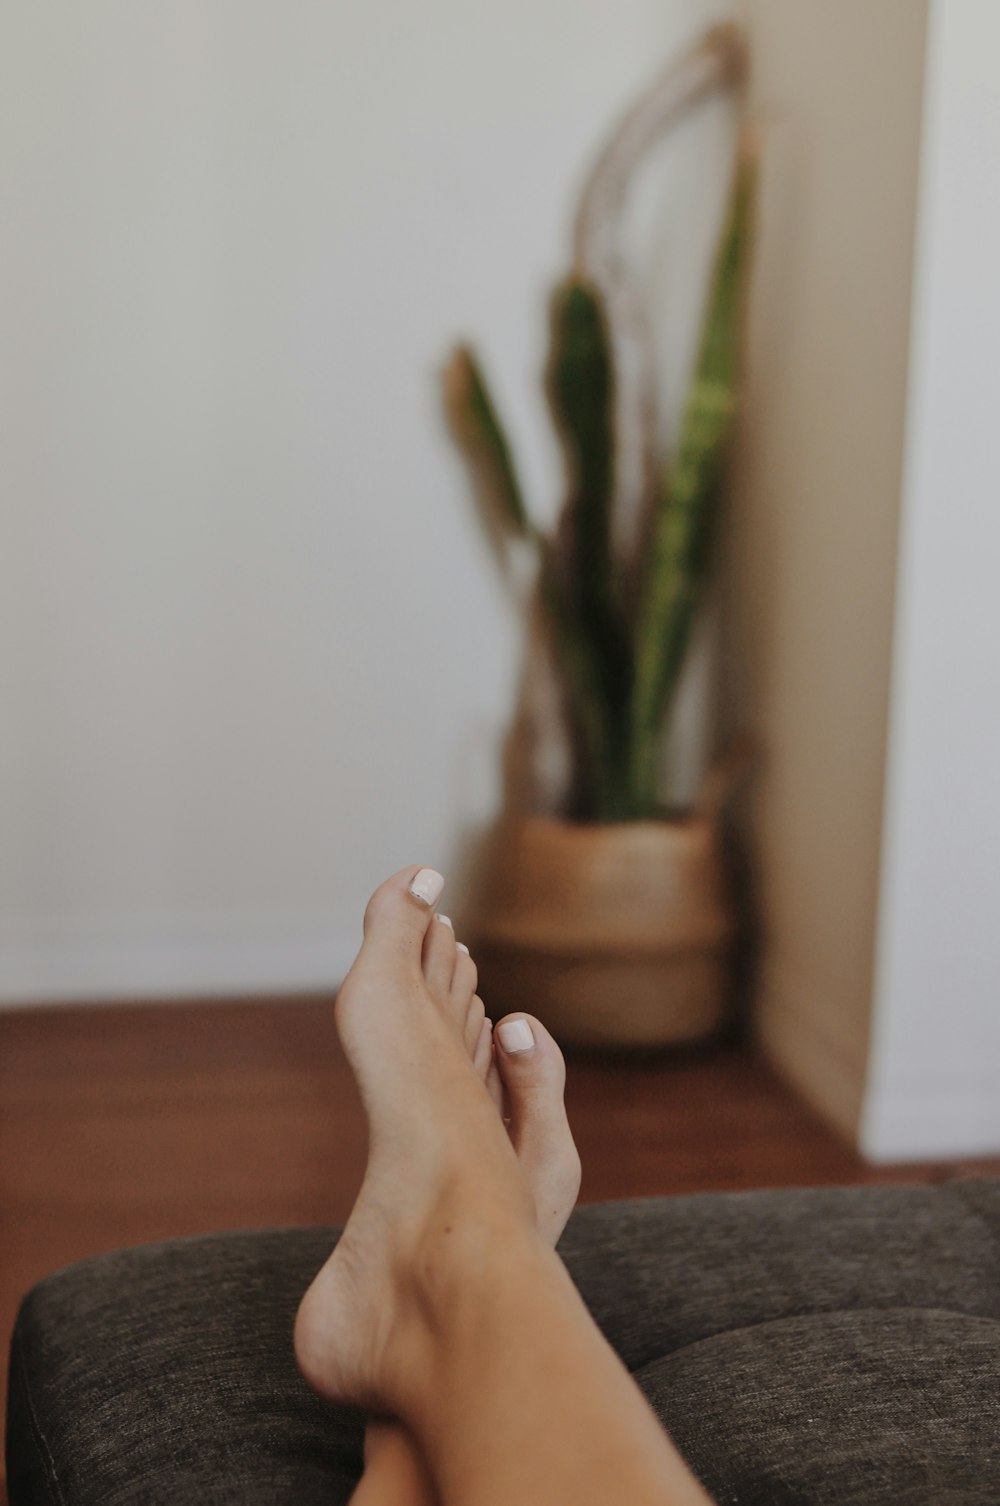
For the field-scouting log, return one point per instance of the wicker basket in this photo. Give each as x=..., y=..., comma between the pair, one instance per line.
x=614, y=935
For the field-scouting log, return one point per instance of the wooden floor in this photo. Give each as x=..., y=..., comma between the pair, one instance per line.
x=122, y=1125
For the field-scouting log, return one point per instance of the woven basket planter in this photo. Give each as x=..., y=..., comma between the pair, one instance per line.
x=613, y=935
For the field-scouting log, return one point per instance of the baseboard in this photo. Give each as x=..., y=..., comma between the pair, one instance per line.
x=943, y=1120
x=195, y=959
x=923, y=1121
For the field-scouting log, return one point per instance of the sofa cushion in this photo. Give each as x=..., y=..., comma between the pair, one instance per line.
x=898, y=1405
x=808, y=1346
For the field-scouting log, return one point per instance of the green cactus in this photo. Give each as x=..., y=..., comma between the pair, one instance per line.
x=620, y=668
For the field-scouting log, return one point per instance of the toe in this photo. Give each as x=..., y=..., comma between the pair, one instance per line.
x=439, y=957
x=482, y=1056
x=399, y=914
x=534, y=1076
x=464, y=982
x=474, y=1018
x=532, y=1068
x=494, y=1086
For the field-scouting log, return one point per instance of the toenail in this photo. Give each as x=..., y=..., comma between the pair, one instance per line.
x=427, y=886
x=515, y=1037
x=463, y=948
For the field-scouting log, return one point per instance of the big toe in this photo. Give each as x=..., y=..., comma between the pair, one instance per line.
x=399, y=913
x=534, y=1077
x=387, y=970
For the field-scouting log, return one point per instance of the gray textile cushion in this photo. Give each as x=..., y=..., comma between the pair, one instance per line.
x=834, y=1346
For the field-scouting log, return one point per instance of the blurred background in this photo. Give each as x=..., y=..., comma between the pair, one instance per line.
x=255, y=654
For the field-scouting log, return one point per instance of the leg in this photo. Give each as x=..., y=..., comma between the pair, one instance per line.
x=442, y=1305
x=395, y=1473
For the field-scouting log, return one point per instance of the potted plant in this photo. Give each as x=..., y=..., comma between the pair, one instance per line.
x=610, y=918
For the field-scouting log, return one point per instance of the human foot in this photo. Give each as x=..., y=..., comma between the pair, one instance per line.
x=523, y=1070
x=441, y=1171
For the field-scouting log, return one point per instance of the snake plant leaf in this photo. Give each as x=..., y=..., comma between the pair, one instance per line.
x=474, y=419
x=599, y=740
x=581, y=393
x=580, y=670
x=679, y=552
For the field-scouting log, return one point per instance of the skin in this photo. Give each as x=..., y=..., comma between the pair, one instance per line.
x=443, y=1305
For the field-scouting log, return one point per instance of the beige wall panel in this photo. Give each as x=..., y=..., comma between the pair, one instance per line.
x=813, y=541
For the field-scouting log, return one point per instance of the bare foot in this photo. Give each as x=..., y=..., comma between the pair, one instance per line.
x=524, y=1073
x=441, y=1169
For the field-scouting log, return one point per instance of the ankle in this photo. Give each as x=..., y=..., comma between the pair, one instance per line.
x=447, y=1285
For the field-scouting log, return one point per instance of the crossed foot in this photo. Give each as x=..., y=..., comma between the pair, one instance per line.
x=468, y=1141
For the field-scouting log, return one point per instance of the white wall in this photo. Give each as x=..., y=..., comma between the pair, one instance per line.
x=934, y=1074
x=253, y=653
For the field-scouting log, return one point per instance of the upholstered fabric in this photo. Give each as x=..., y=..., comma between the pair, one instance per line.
x=827, y=1346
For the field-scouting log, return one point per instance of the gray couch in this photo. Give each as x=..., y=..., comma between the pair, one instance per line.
x=827, y=1346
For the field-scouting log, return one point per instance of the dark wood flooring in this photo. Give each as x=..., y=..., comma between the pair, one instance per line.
x=127, y=1124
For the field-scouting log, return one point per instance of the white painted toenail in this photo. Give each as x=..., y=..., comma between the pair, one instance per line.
x=445, y=921
x=463, y=948
x=515, y=1037
x=427, y=886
